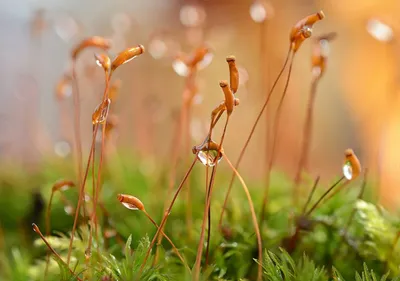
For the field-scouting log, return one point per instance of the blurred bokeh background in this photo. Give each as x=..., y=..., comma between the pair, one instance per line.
x=357, y=103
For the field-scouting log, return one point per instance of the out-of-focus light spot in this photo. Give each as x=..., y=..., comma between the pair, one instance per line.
x=118, y=44
x=198, y=99
x=261, y=10
x=195, y=36
x=157, y=48
x=205, y=61
x=121, y=23
x=243, y=75
x=379, y=30
x=192, y=15
x=62, y=149
x=66, y=28
x=180, y=67
x=325, y=49
x=198, y=129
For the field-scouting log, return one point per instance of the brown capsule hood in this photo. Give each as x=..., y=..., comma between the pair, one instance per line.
x=95, y=41
x=230, y=58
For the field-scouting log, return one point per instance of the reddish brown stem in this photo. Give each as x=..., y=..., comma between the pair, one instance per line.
x=165, y=217
x=324, y=195
x=253, y=215
x=174, y=248
x=249, y=138
x=209, y=192
x=307, y=136
x=196, y=267
x=274, y=143
x=81, y=193
x=37, y=230
x=48, y=217
x=77, y=127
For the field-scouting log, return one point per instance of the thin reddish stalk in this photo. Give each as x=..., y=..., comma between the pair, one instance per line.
x=196, y=268
x=209, y=194
x=165, y=217
x=48, y=217
x=174, y=248
x=81, y=194
x=253, y=215
x=37, y=230
x=274, y=143
x=77, y=114
x=249, y=138
x=307, y=135
x=324, y=195
x=182, y=123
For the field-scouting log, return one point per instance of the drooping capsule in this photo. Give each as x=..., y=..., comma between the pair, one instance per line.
x=208, y=153
x=103, y=61
x=303, y=30
x=233, y=74
x=351, y=165
x=126, y=56
x=229, y=97
x=62, y=185
x=95, y=41
x=130, y=202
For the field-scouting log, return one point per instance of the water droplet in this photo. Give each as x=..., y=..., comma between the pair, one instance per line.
x=87, y=198
x=88, y=253
x=192, y=15
x=100, y=114
x=348, y=171
x=69, y=210
x=306, y=31
x=208, y=159
x=180, y=67
x=379, y=30
x=130, y=206
x=62, y=149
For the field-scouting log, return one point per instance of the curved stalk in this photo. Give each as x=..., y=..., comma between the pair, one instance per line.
x=175, y=249
x=307, y=135
x=253, y=215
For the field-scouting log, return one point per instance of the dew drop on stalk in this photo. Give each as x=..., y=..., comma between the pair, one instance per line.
x=209, y=160
x=100, y=114
x=348, y=170
x=130, y=206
